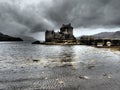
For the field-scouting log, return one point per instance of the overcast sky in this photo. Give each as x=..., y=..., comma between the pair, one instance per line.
x=33, y=17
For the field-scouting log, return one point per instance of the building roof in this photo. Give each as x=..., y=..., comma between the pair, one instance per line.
x=66, y=26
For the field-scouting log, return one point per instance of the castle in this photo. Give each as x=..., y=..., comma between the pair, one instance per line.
x=65, y=34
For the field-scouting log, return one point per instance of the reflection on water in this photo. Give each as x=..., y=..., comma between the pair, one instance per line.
x=66, y=54
x=23, y=52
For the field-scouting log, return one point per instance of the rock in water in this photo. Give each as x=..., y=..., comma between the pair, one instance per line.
x=36, y=42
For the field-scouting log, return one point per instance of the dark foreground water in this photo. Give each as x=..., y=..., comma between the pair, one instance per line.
x=24, y=66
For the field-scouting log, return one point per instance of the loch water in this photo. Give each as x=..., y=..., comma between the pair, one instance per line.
x=25, y=66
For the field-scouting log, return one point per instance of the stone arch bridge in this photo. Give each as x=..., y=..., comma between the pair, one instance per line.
x=101, y=42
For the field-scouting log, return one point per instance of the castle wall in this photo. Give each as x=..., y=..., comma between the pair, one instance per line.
x=70, y=31
x=49, y=36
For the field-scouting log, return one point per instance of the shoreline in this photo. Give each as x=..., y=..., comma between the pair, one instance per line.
x=111, y=47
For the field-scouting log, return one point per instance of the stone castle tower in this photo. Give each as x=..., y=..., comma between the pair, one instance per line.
x=66, y=29
x=66, y=33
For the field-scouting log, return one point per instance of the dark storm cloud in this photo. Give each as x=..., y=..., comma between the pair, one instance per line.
x=15, y=20
x=39, y=17
x=85, y=12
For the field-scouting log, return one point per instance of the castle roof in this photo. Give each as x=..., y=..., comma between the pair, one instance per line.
x=66, y=26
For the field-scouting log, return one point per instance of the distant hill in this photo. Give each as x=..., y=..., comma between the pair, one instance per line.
x=108, y=35
x=4, y=37
x=28, y=38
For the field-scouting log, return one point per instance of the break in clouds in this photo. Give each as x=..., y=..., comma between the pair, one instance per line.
x=24, y=17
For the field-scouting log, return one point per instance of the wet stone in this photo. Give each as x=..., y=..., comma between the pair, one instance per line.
x=35, y=60
x=90, y=66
